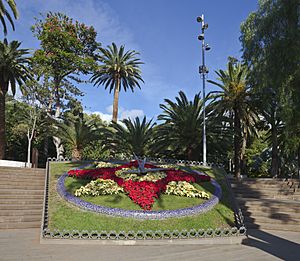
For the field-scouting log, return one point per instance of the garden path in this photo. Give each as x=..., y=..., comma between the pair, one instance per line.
x=261, y=245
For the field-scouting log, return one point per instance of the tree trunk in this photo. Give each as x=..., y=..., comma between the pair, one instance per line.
x=29, y=153
x=3, y=91
x=275, y=157
x=76, y=154
x=243, y=152
x=116, y=100
x=237, y=144
x=190, y=153
x=299, y=162
x=56, y=140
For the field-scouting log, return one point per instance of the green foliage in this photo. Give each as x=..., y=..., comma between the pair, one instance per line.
x=13, y=66
x=234, y=100
x=4, y=13
x=181, y=130
x=257, y=157
x=118, y=69
x=270, y=40
x=66, y=46
x=99, y=187
x=77, y=134
x=185, y=189
x=135, y=137
x=151, y=176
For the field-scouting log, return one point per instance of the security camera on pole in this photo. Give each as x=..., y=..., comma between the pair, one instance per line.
x=203, y=70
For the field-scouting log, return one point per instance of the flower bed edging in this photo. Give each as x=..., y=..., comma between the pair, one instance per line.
x=140, y=214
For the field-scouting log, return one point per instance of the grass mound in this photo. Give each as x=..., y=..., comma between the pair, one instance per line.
x=63, y=215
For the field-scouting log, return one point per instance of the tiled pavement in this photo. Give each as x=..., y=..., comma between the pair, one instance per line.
x=23, y=244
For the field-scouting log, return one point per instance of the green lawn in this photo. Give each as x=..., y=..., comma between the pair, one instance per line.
x=63, y=215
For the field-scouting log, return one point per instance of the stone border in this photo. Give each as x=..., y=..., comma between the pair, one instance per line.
x=140, y=214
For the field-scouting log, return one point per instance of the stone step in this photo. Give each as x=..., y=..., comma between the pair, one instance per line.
x=40, y=176
x=266, y=191
x=21, y=196
x=267, y=196
x=25, y=183
x=16, y=169
x=270, y=226
x=263, y=188
x=21, y=206
x=22, y=186
x=23, y=191
x=13, y=219
x=259, y=185
x=23, y=212
x=264, y=180
x=268, y=202
x=20, y=225
x=276, y=214
x=269, y=209
x=269, y=220
x=20, y=201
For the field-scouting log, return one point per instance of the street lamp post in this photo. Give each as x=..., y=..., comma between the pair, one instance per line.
x=203, y=71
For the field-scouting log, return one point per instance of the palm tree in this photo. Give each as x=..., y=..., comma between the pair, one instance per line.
x=234, y=100
x=77, y=133
x=135, y=137
x=118, y=69
x=180, y=133
x=4, y=12
x=13, y=69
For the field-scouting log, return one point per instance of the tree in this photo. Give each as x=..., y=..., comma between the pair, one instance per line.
x=233, y=100
x=118, y=69
x=68, y=49
x=77, y=134
x=270, y=40
x=5, y=13
x=135, y=137
x=13, y=69
x=181, y=130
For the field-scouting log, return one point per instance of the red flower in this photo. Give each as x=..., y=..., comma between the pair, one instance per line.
x=142, y=193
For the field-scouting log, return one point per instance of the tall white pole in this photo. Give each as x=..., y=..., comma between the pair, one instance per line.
x=203, y=71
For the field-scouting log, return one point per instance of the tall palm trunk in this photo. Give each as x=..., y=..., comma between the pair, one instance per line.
x=76, y=154
x=275, y=157
x=237, y=144
x=3, y=91
x=116, y=100
x=243, y=152
x=299, y=162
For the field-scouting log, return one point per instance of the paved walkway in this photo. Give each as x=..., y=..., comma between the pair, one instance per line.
x=261, y=245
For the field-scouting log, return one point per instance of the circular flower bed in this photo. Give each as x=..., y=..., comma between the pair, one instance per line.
x=142, y=189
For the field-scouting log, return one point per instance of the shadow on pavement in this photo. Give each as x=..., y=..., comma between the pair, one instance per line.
x=274, y=245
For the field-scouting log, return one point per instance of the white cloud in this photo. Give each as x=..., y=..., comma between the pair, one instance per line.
x=132, y=114
x=96, y=13
x=123, y=114
x=109, y=109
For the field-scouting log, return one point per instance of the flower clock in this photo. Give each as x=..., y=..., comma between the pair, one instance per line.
x=142, y=188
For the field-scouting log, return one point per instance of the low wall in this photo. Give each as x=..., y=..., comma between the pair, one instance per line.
x=11, y=163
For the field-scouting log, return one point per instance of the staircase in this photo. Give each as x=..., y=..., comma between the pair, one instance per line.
x=21, y=197
x=269, y=203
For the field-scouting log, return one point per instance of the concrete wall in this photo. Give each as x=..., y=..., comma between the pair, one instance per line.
x=11, y=163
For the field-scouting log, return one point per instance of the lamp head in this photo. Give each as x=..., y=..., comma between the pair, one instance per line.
x=199, y=19
x=201, y=37
x=205, y=26
x=207, y=47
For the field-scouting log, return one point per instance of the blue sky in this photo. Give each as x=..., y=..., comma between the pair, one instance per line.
x=163, y=31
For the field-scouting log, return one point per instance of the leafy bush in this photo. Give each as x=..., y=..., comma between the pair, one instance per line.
x=185, y=189
x=99, y=187
x=103, y=164
x=151, y=176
